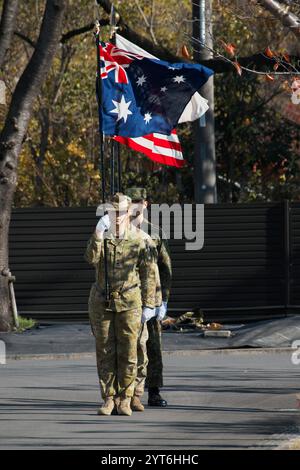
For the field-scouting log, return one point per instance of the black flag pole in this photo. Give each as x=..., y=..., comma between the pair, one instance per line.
x=102, y=164
x=115, y=146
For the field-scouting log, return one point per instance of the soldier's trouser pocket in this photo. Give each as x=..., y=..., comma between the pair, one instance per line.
x=106, y=353
x=127, y=327
x=96, y=309
x=142, y=360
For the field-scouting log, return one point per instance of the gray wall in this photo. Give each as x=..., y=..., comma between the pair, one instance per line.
x=249, y=266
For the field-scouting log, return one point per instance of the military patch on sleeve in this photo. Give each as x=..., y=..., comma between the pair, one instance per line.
x=151, y=250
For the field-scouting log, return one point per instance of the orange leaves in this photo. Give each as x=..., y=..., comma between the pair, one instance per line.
x=247, y=121
x=269, y=78
x=269, y=53
x=238, y=68
x=277, y=55
x=287, y=58
x=185, y=53
x=229, y=47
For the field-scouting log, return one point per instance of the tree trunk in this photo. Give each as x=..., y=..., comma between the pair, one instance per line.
x=7, y=26
x=14, y=131
x=6, y=198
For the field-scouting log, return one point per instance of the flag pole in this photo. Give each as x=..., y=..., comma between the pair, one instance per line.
x=102, y=165
x=115, y=146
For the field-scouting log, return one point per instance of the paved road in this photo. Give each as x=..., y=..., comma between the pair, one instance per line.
x=77, y=338
x=230, y=400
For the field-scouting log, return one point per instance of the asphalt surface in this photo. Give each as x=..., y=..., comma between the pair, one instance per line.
x=216, y=400
x=75, y=338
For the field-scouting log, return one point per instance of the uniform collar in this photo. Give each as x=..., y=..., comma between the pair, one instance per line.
x=114, y=240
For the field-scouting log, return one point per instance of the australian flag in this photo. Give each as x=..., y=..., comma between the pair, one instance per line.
x=141, y=95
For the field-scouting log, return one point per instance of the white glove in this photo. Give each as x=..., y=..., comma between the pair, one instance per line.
x=102, y=225
x=147, y=313
x=161, y=311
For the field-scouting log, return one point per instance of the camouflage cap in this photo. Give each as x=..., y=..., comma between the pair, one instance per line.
x=137, y=194
x=118, y=202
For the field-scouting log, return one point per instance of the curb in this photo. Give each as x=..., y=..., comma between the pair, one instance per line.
x=291, y=444
x=178, y=352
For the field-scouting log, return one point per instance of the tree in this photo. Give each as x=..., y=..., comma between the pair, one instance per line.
x=59, y=158
x=7, y=25
x=281, y=10
x=14, y=131
x=219, y=63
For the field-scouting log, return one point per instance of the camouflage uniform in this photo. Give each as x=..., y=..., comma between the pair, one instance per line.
x=154, y=346
x=131, y=274
x=153, y=356
x=142, y=356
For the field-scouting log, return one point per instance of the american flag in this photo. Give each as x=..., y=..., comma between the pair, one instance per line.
x=164, y=149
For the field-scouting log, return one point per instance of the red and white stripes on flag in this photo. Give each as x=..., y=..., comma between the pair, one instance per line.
x=165, y=149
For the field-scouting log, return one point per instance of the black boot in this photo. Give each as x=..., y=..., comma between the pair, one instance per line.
x=154, y=398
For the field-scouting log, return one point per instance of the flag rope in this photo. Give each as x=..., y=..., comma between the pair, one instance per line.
x=101, y=150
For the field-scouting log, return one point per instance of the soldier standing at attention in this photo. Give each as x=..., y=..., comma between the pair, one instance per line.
x=154, y=379
x=116, y=323
x=142, y=356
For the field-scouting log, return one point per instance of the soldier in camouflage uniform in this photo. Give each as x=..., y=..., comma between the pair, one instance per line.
x=142, y=357
x=116, y=323
x=154, y=379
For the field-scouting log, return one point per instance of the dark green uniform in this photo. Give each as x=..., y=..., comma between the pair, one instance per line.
x=154, y=346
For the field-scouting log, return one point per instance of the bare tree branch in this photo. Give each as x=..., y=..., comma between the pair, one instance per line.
x=259, y=64
x=281, y=12
x=30, y=83
x=218, y=64
x=7, y=26
x=66, y=36
x=25, y=38
x=147, y=23
x=84, y=29
x=143, y=42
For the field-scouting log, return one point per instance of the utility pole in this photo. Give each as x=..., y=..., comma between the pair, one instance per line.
x=205, y=190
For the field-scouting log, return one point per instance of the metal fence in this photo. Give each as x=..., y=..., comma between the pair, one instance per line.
x=249, y=267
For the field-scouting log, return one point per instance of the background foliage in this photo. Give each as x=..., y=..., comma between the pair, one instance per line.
x=257, y=148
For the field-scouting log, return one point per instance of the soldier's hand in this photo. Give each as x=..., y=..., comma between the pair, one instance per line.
x=102, y=225
x=161, y=311
x=147, y=314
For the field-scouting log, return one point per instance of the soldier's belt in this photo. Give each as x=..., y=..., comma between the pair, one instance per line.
x=115, y=294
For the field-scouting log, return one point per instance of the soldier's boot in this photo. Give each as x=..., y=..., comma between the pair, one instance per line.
x=107, y=407
x=136, y=404
x=117, y=402
x=154, y=398
x=124, y=407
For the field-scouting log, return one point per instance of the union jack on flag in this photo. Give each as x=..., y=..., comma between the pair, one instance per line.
x=115, y=59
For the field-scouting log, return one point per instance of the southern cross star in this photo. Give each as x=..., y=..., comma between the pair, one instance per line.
x=121, y=109
x=141, y=80
x=163, y=89
x=147, y=118
x=178, y=79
